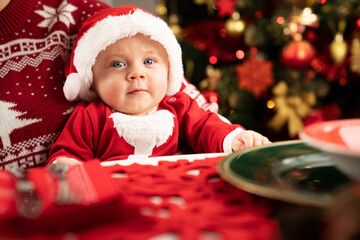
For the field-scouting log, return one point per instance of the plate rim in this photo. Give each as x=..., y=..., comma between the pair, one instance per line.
x=325, y=145
x=328, y=147
x=324, y=201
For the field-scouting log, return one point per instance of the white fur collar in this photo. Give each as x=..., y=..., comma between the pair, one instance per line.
x=144, y=132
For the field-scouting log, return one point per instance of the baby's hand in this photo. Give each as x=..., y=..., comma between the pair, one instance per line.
x=248, y=138
x=68, y=161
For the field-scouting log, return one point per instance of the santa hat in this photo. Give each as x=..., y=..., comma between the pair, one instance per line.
x=105, y=28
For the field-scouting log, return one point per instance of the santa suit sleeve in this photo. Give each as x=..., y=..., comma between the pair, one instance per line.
x=75, y=141
x=201, y=130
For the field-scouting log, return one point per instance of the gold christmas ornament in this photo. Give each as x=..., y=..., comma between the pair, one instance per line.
x=280, y=89
x=213, y=77
x=338, y=49
x=161, y=9
x=355, y=55
x=234, y=25
x=290, y=109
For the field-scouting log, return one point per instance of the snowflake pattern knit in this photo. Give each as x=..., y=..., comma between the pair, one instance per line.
x=36, y=38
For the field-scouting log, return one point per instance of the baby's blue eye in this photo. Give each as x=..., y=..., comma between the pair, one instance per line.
x=148, y=62
x=118, y=64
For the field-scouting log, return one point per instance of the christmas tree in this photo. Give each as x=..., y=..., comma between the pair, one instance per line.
x=272, y=66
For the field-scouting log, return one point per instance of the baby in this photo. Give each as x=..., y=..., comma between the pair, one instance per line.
x=126, y=65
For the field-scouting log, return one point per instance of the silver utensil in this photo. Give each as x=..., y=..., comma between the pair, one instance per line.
x=28, y=202
x=64, y=195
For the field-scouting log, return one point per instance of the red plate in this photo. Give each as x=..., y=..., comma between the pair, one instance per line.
x=340, y=138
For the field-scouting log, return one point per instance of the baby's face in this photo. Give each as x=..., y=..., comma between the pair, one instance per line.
x=131, y=75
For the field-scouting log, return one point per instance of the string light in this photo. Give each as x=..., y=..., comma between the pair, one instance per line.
x=308, y=17
x=213, y=99
x=213, y=60
x=270, y=104
x=280, y=20
x=342, y=81
x=240, y=54
x=223, y=33
x=161, y=9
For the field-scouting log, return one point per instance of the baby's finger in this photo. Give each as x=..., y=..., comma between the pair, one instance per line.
x=265, y=140
x=249, y=141
x=238, y=146
x=258, y=141
x=68, y=161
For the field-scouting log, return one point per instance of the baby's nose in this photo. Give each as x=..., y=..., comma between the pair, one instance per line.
x=135, y=73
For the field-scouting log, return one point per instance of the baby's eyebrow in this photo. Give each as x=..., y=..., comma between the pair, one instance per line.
x=151, y=51
x=116, y=54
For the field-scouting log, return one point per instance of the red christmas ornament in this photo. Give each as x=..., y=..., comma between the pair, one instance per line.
x=255, y=75
x=357, y=25
x=225, y=7
x=324, y=65
x=297, y=54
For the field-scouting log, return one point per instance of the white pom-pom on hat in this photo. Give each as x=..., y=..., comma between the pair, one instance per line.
x=72, y=86
x=105, y=28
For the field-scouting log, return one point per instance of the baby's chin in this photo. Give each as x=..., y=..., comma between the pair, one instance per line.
x=136, y=111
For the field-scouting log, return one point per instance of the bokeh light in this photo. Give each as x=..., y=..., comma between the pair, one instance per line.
x=240, y=54
x=213, y=60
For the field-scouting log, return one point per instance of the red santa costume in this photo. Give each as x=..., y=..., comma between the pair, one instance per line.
x=96, y=131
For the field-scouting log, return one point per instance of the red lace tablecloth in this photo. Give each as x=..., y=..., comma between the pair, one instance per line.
x=150, y=199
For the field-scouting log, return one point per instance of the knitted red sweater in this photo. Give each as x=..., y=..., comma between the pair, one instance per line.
x=36, y=38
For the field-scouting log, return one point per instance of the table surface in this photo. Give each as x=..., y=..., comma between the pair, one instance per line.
x=161, y=198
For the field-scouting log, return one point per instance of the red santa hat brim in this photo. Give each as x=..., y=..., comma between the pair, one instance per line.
x=104, y=29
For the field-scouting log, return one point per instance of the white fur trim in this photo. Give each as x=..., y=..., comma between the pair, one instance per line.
x=224, y=119
x=228, y=139
x=72, y=86
x=144, y=133
x=112, y=28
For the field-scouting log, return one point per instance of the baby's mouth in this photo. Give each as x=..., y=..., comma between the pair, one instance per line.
x=137, y=91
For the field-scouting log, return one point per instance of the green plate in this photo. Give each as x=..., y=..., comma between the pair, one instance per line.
x=288, y=171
